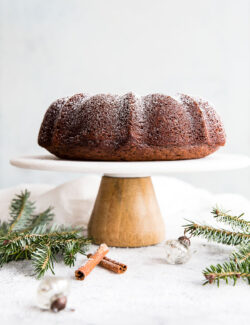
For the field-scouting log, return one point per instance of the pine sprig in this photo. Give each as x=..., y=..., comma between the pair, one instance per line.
x=30, y=236
x=42, y=260
x=242, y=255
x=43, y=218
x=21, y=209
x=238, y=265
x=70, y=253
x=236, y=222
x=226, y=271
x=221, y=236
x=3, y=228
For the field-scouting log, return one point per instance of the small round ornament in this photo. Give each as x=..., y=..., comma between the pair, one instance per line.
x=52, y=293
x=177, y=250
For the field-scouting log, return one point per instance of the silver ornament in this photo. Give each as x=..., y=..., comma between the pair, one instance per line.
x=52, y=293
x=177, y=250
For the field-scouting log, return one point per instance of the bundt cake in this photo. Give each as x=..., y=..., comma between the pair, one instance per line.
x=131, y=128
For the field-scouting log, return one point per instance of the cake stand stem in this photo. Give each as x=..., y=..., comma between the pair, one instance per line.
x=126, y=213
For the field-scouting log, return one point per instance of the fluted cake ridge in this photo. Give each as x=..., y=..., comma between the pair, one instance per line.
x=131, y=127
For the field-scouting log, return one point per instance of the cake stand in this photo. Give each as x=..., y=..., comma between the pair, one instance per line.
x=126, y=212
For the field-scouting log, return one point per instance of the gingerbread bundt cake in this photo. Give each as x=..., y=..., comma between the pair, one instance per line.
x=129, y=127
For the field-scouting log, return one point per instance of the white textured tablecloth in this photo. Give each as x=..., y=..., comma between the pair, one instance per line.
x=151, y=291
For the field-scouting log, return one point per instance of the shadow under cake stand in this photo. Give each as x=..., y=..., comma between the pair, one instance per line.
x=126, y=212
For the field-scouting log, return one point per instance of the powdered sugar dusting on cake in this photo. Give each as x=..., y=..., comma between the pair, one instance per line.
x=131, y=127
x=213, y=129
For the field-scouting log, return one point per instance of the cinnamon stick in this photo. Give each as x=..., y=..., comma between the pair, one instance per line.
x=84, y=270
x=111, y=265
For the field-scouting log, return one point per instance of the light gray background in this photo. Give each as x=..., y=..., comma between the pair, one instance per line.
x=55, y=48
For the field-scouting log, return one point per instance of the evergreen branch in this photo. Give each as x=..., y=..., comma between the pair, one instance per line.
x=3, y=228
x=242, y=255
x=18, y=246
x=84, y=242
x=26, y=245
x=217, y=235
x=72, y=248
x=238, y=265
x=20, y=211
x=42, y=260
x=28, y=236
x=21, y=238
x=234, y=221
x=226, y=271
x=41, y=219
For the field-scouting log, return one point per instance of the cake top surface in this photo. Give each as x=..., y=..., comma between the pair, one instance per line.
x=130, y=122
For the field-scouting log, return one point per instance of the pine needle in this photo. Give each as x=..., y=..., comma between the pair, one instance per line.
x=43, y=218
x=3, y=228
x=236, y=222
x=42, y=260
x=221, y=236
x=226, y=271
x=30, y=236
x=238, y=265
x=20, y=211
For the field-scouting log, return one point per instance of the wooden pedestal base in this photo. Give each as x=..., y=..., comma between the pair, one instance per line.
x=126, y=213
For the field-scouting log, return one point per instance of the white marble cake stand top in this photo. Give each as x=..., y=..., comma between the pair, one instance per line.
x=214, y=162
